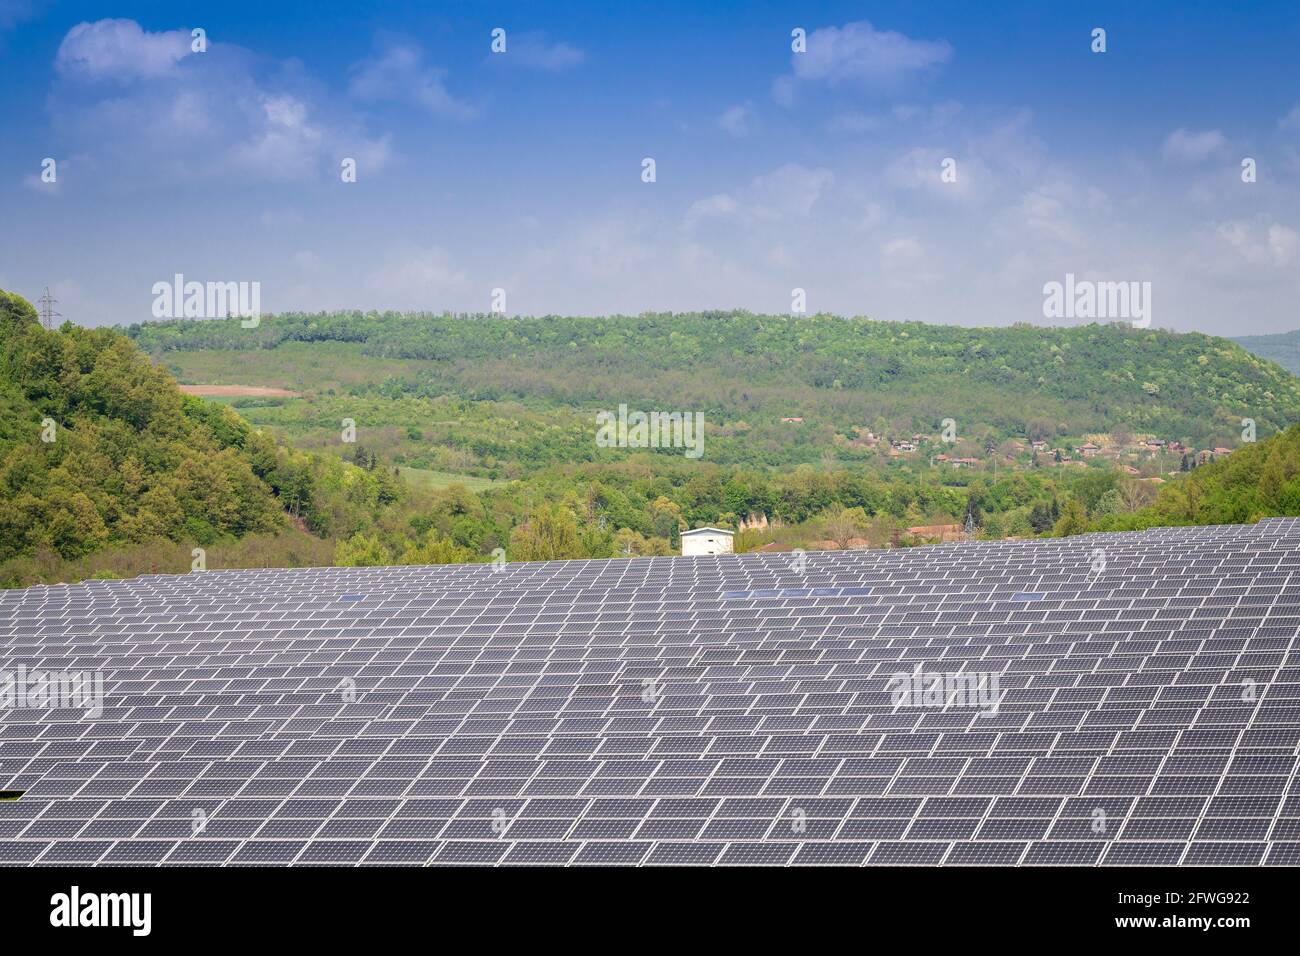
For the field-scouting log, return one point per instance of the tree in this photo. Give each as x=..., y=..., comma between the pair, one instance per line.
x=666, y=519
x=1039, y=429
x=1040, y=518
x=436, y=550
x=844, y=525
x=550, y=534
x=362, y=551
x=1073, y=520
x=1135, y=494
x=629, y=543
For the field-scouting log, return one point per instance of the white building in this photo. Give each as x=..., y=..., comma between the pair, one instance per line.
x=707, y=541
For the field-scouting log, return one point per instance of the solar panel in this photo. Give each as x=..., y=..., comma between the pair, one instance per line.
x=975, y=704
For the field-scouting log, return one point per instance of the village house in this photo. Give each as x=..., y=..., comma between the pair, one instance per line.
x=706, y=541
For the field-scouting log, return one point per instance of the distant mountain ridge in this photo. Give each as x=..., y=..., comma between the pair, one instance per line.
x=1280, y=347
x=837, y=374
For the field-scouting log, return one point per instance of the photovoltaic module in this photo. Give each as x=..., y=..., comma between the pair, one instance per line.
x=1093, y=700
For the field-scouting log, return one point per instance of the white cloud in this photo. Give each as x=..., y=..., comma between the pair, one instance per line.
x=872, y=215
x=424, y=277
x=1292, y=119
x=937, y=114
x=534, y=51
x=40, y=187
x=133, y=107
x=400, y=74
x=1187, y=146
x=1259, y=242
x=788, y=192
x=739, y=120
x=852, y=121
x=35, y=182
x=921, y=169
x=719, y=205
x=901, y=251
x=625, y=261
x=783, y=91
x=859, y=54
x=1041, y=212
x=905, y=264
x=119, y=50
x=284, y=139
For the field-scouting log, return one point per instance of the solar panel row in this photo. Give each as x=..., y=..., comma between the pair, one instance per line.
x=1101, y=699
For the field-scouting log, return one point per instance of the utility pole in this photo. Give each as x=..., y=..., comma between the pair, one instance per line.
x=970, y=524
x=48, y=315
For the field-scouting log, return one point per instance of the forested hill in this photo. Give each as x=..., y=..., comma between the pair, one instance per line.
x=97, y=444
x=1255, y=481
x=107, y=468
x=742, y=368
x=1282, y=348
x=98, y=448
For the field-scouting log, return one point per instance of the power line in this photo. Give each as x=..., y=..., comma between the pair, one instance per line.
x=48, y=315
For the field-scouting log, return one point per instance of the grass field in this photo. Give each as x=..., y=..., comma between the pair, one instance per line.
x=437, y=480
x=296, y=366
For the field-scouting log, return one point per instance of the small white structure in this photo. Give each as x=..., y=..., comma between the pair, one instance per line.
x=707, y=541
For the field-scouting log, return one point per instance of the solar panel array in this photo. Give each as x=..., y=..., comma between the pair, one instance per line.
x=722, y=710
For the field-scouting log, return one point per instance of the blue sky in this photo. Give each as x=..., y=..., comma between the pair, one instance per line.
x=775, y=170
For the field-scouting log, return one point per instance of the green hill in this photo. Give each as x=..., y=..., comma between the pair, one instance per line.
x=1256, y=481
x=1282, y=348
x=99, y=446
x=519, y=392
x=100, y=450
x=476, y=433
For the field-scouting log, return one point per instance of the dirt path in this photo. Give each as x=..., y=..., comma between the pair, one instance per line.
x=230, y=391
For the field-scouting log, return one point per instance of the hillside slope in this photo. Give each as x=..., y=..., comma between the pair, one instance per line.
x=97, y=445
x=1282, y=348
x=1256, y=481
x=745, y=372
x=99, y=449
